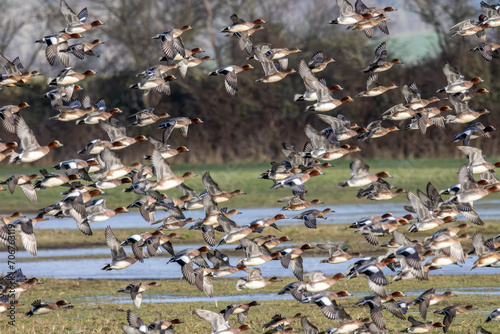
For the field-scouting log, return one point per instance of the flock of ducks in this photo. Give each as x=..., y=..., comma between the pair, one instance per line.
x=102, y=169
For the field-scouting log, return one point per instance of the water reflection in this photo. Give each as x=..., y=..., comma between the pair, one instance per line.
x=156, y=268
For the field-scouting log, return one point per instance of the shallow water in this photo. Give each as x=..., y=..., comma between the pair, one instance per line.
x=345, y=213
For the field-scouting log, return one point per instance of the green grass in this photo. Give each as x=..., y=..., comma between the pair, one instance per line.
x=407, y=174
x=94, y=316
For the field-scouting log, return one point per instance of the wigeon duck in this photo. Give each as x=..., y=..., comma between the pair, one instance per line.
x=97, y=212
x=230, y=72
x=371, y=269
x=138, y=241
x=280, y=54
x=185, y=259
x=271, y=73
x=203, y=280
x=473, y=131
x=337, y=254
x=317, y=90
x=69, y=76
x=413, y=98
x=429, y=298
x=360, y=176
x=56, y=44
x=40, y=307
x=165, y=178
x=171, y=42
x=318, y=63
x=6, y=153
x=310, y=81
x=469, y=28
x=147, y=117
x=494, y=315
x=31, y=150
x=76, y=23
x=219, y=325
x=6, y=146
x=465, y=96
x=456, y=82
x=450, y=313
x=171, y=223
x=469, y=191
x=310, y=216
x=214, y=190
x=464, y=114
x=369, y=23
x=24, y=226
x=154, y=81
x=158, y=69
x=278, y=320
x=297, y=203
x=225, y=270
x=254, y=280
x=340, y=126
x=165, y=150
x=23, y=181
x=373, y=88
x=326, y=302
x=398, y=113
x=80, y=50
x=114, y=167
x=347, y=14
x=110, y=184
x=348, y=326
x=99, y=115
x=117, y=134
x=426, y=220
x=240, y=25
x=380, y=190
x=240, y=309
x=296, y=181
x=375, y=304
x=8, y=114
x=485, y=255
x=74, y=111
x=361, y=8
x=274, y=241
x=191, y=62
x=136, y=290
x=374, y=130
x=420, y=327
x=380, y=64
x=157, y=240
x=119, y=259
x=245, y=38
x=164, y=324
x=21, y=286
x=477, y=164
x=254, y=254
x=181, y=123
x=14, y=73
x=233, y=231
x=487, y=50
x=265, y=222
x=292, y=257
x=318, y=282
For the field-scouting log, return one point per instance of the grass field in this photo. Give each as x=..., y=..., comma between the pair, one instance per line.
x=92, y=315
x=407, y=174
